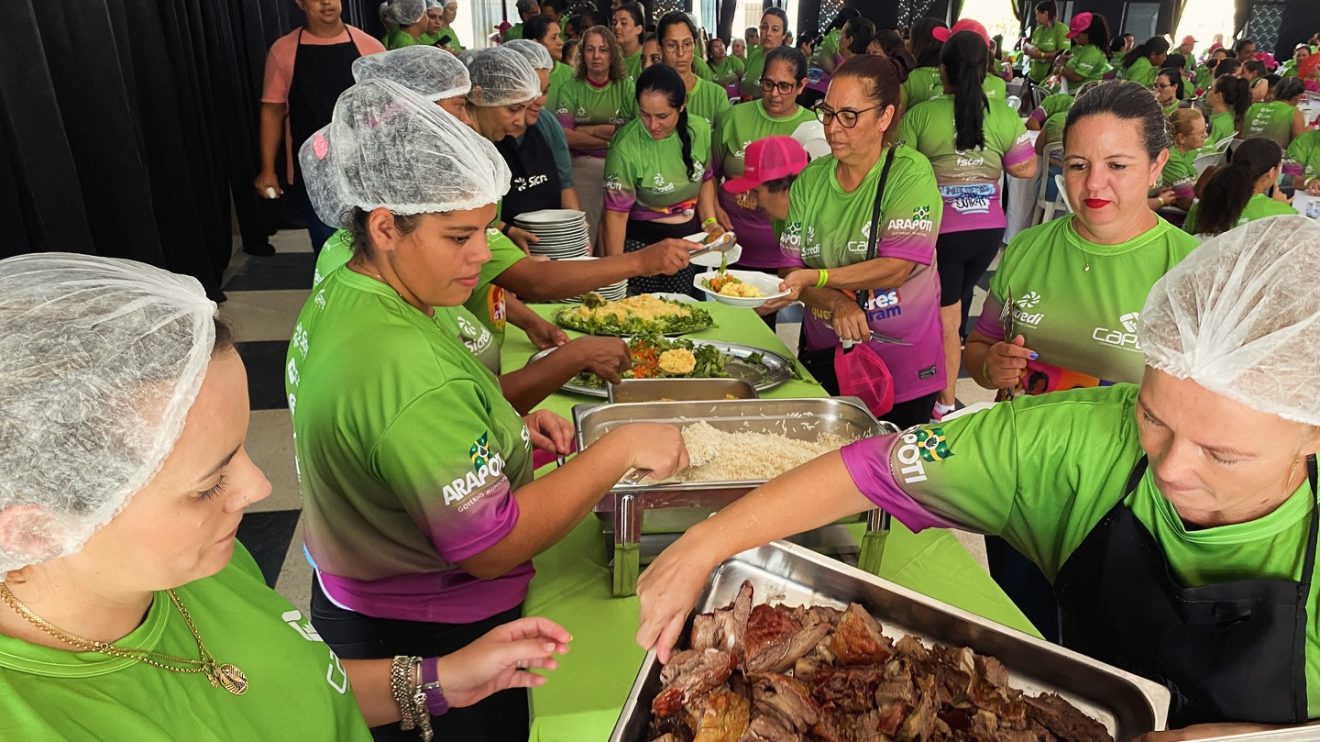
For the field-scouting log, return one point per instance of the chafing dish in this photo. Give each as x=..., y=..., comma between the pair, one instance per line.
x=630, y=511
x=680, y=390
x=1128, y=705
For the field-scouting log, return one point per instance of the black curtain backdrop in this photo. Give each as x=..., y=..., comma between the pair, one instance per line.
x=1300, y=20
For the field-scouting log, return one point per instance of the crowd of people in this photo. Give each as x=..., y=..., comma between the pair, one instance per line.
x=1149, y=347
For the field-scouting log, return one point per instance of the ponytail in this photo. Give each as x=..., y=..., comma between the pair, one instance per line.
x=1236, y=92
x=964, y=58
x=1230, y=188
x=1153, y=45
x=661, y=78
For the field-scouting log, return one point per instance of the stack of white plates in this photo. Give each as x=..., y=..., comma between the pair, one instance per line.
x=563, y=232
x=612, y=292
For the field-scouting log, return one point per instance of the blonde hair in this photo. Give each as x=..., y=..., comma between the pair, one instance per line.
x=616, y=54
x=1182, y=120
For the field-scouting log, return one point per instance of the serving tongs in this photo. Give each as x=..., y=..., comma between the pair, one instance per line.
x=723, y=244
x=698, y=455
x=1009, y=328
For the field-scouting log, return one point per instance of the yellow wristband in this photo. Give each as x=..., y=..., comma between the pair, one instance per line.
x=708, y=221
x=822, y=278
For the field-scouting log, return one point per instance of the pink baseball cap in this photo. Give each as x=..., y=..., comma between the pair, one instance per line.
x=768, y=159
x=966, y=24
x=1188, y=40
x=1079, y=24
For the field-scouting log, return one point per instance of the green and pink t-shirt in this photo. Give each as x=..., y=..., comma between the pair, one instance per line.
x=582, y=103
x=647, y=178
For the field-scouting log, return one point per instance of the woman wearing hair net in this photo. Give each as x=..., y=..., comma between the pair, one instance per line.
x=527, y=152
x=421, y=512
x=1176, y=519
x=128, y=606
x=406, y=21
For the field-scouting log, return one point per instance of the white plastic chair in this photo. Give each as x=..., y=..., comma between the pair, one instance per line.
x=1062, y=199
x=1207, y=160
x=1045, y=207
x=1223, y=144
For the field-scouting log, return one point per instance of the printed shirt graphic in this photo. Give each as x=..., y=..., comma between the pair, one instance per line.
x=968, y=181
x=297, y=688
x=735, y=129
x=1047, y=39
x=1089, y=62
x=1083, y=323
x=1272, y=120
x=1180, y=172
x=922, y=84
x=579, y=103
x=707, y=100
x=647, y=178
x=828, y=227
x=407, y=464
x=1042, y=471
x=1259, y=206
x=1304, y=156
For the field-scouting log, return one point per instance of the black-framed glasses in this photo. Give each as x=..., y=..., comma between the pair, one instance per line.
x=784, y=88
x=847, y=117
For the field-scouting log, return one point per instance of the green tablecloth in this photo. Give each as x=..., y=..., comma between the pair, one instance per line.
x=572, y=584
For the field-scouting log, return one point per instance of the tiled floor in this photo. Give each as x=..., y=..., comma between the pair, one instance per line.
x=265, y=296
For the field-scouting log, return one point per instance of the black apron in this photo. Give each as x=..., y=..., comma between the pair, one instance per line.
x=535, y=184
x=1229, y=651
x=320, y=73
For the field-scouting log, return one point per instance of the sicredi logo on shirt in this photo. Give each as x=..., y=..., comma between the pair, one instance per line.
x=1028, y=301
x=485, y=466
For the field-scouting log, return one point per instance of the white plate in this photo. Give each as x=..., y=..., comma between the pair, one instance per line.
x=768, y=284
x=550, y=216
x=712, y=259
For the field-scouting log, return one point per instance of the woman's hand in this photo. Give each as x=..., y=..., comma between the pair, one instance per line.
x=656, y=447
x=1006, y=362
x=603, y=356
x=666, y=257
x=714, y=228
x=1279, y=195
x=1313, y=187
x=267, y=183
x=550, y=432
x=795, y=281
x=722, y=217
x=499, y=659
x=667, y=591
x=544, y=334
x=522, y=238
x=1204, y=731
x=849, y=321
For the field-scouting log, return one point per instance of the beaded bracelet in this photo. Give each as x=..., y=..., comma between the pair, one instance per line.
x=406, y=687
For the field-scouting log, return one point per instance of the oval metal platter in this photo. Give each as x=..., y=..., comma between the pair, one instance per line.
x=773, y=370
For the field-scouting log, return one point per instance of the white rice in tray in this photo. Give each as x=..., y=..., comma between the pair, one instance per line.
x=746, y=455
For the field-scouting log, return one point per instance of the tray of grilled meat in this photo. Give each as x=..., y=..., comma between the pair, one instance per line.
x=767, y=437
x=786, y=644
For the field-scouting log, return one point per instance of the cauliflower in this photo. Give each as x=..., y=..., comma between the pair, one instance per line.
x=678, y=361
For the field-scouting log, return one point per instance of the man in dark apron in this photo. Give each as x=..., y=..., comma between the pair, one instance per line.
x=306, y=70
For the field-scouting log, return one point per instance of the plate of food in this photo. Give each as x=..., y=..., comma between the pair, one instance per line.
x=739, y=288
x=726, y=249
x=657, y=357
x=634, y=315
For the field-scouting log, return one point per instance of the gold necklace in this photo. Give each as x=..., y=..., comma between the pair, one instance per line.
x=220, y=675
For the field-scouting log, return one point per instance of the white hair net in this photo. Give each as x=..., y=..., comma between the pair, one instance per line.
x=100, y=360
x=432, y=73
x=502, y=77
x=386, y=146
x=1241, y=317
x=535, y=54
x=403, y=12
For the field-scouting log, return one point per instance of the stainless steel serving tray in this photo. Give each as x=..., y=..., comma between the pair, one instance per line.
x=680, y=390
x=781, y=572
x=1295, y=734
x=772, y=370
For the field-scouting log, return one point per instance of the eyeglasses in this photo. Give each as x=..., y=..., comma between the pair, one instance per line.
x=1164, y=86
x=847, y=117
x=784, y=88
x=686, y=45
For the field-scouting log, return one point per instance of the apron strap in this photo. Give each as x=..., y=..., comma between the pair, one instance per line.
x=1308, y=567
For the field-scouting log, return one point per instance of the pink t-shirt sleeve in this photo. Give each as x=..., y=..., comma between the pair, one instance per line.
x=1021, y=151
x=279, y=70
x=867, y=462
x=988, y=323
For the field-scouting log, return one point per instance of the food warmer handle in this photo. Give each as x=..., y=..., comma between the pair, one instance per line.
x=627, y=544
x=878, y=525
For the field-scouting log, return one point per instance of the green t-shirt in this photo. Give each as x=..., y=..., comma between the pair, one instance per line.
x=449, y=40
x=1077, y=303
x=1204, y=77
x=1052, y=115
x=727, y=71
x=1052, y=38
x=996, y=90
x=922, y=84
x=828, y=227
x=1259, y=206
x=1222, y=126
x=1042, y=471
x=558, y=76
x=1088, y=61
x=735, y=129
x=968, y=180
x=515, y=32
x=632, y=64
x=407, y=464
x=1272, y=120
x=701, y=69
x=297, y=688
x=1141, y=72
x=1303, y=157
x=1180, y=172
x=647, y=177
x=753, y=69
x=828, y=51
x=428, y=39
x=578, y=103
x=707, y=100
x=399, y=38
